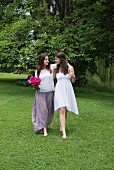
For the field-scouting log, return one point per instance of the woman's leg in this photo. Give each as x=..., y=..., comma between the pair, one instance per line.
x=40, y=113
x=62, y=121
x=45, y=132
x=50, y=110
x=50, y=107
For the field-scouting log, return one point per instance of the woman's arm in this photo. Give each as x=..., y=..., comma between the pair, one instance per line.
x=71, y=73
x=53, y=68
x=35, y=73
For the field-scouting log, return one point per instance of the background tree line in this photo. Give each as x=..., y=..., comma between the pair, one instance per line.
x=83, y=29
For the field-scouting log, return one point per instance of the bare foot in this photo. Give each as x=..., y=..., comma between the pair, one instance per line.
x=64, y=137
x=46, y=134
x=64, y=134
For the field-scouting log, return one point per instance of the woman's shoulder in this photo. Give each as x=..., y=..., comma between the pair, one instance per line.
x=70, y=67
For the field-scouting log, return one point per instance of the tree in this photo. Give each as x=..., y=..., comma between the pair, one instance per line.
x=83, y=29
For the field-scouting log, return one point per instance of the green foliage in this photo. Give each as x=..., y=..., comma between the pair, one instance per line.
x=84, y=31
x=22, y=82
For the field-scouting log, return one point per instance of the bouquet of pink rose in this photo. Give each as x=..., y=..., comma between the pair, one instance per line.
x=35, y=82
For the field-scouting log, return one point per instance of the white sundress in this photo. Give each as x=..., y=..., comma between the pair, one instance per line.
x=64, y=94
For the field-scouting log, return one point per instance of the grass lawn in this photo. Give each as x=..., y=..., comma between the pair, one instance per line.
x=89, y=145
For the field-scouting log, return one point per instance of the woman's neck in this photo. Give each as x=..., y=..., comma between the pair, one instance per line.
x=44, y=67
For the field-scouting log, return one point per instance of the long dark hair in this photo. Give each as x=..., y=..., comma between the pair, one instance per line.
x=40, y=64
x=62, y=66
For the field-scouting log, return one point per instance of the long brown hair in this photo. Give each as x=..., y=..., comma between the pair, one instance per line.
x=62, y=66
x=40, y=64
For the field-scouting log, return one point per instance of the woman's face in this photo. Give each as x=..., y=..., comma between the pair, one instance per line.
x=57, y=60
x=46, y=61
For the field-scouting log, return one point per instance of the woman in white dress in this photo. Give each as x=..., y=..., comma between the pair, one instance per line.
x=64, y=98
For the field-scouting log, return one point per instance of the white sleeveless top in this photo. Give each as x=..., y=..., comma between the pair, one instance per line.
x=47, y=83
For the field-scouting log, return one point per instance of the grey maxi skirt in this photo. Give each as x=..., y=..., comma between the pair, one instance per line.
x=43, y=110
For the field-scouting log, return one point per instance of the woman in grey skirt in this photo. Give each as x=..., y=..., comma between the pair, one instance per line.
x=43, y=109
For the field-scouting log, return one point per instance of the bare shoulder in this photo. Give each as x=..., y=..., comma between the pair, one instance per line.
x=70, y=67
x=71, y=73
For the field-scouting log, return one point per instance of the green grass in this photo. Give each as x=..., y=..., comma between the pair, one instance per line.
x=89, y=145
x=9, y=77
